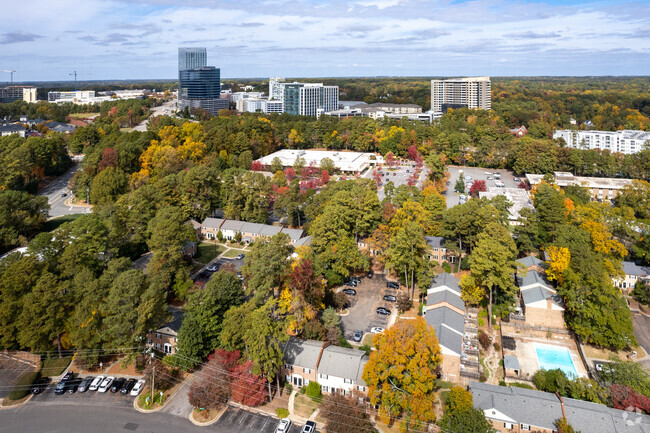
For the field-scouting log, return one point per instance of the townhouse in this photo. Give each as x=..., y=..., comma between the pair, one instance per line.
x=165, y=338
x=540, y=303
x=632, y=273
x=437, y=251
x=249, y=232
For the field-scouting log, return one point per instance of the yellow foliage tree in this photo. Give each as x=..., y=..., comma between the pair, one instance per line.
x=560, y=259
x=471, y=292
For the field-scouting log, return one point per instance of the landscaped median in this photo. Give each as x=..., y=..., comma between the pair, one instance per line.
x=205, y=417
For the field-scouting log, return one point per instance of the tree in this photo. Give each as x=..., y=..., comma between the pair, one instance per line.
x=212, y=387
x=308, y=283
x=406, y=251
x=404, y=302
x=477, y=186
x=563, y=426
x=437, y=168
x=276, y=165
x=266, y=266
x=401, y=373
x=247, y=387
x=627, y=373
x=624, y=398
x=460, y=415
x=549, y=205
x=326, y=164
x=345, y=415
x=460, y=184
x=560, y=258
x=21, y=216
x=107, y=186
x=641, y=293
x=471, y=293
x=493, y=263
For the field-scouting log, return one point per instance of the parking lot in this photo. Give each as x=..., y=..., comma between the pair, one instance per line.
x=362, y=312
x=10, y=370
x=92, y=398
x=398, y=175
x=476, y=173
x=203, y=276
x=241, y=421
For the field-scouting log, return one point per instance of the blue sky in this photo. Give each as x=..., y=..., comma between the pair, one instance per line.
x=138, y=39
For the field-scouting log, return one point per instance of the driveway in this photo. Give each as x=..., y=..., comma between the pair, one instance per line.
x=10, y=370
x=362, y=311
x=477, y=173
x=398, y=175
x=242, y=421
x=642, y=330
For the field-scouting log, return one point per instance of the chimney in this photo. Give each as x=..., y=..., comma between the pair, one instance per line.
x=320, y=355
x=562, y=404
x=549, y=303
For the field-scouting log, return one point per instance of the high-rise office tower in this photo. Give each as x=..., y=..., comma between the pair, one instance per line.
x=191, y=58
x=276, y=89
x=308, y=99
x=473, y=92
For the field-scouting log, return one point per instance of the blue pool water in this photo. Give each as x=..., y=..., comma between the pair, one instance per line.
x=551, y=357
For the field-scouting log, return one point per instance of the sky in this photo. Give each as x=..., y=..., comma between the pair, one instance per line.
x=139, y=39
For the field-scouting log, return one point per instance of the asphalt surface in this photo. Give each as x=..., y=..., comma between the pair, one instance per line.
x=54, y=192
x=477, y=173
x=397, y=175
x=241, y=421
x=10, y=370
x=88, y=398
x=362, y=311
x=167, y=108
x=642, y=331
x=57, y=418
x=220, y=262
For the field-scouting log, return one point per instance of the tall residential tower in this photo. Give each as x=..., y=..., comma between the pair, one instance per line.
x=199, y=86
x=473, y=92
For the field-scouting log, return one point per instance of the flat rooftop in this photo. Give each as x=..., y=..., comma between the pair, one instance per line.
x=517, y=196
x=345, y=161
x=565, y=178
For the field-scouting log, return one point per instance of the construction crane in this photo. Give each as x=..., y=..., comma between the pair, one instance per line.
x=75, y=80
x=11, y=71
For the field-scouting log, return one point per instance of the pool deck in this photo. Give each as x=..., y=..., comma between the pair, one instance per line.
x=564, y=363
x=527, y=355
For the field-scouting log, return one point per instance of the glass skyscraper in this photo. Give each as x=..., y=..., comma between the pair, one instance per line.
x=191, y=58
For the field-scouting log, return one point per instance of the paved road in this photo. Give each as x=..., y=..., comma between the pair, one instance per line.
x=165, y=109
x=362, y=311
x=91, y=419
x=54, y=192
x=241, y=421
x=642, y=330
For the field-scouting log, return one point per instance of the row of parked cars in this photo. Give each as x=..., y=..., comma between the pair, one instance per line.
x=69, y=384
x=285, y=425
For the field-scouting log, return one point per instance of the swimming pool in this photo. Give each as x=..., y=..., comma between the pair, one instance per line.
x=552, y=357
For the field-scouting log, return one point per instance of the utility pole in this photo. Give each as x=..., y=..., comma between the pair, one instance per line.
x=75, y=80
x=153, y=376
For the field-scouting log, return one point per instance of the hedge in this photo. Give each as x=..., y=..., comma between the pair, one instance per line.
x=23, y=385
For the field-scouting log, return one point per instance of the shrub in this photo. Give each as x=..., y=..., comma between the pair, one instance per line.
x=464, y=264
x=23, y=385
x=446, y=267
x=502, y=383
x=282, y=412
x=344, y=343
x=366, y=348
x=303, y=389
x=288, y=387
x=220, y=236
x=497, y=347
x=313, y=390
x=484, y=340
x=483, y=378
x=404, y=302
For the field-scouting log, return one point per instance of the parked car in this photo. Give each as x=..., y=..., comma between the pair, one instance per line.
x=350, y=292
x=394, y=174
x=67, y=376
x=284, y=426
x=392, y=285
x=212, y=268
x=137, y=388
x=239, y=275
x=390, y=298
x=468, y=177
x=407, y=171
x=64, y=194
x=118, y=384
x=128, y=386
x=370, y=274
x=60, y=387
x=95, y=383
x=488, y=172
x=106, y=384
x=516, y=179
x=83, y=386
x=351, y=284
x=40, y=385
x=72, y=385
x=383, y=311
x=310, y=427
x=489, y=178
x=358, y=335
x=240, y=257
x=377, y=330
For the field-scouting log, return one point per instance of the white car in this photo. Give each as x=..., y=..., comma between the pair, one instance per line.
x=377, y=330
x=284, y=426
x=137, y=388
x=468, y=177
x=95, y=383
x=106, y=384
x=489, y=173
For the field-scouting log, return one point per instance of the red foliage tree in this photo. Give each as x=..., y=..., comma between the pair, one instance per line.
x=390, y=159
x=324, y=177
x=248, y=388
x=412, y=180
x=289, y=174
x=477, y=186
x=109, y=159
x=376, y=176
x=524, y=185
x=256, y=166
x=624, y=398
x=413, y=152
x=305, y=281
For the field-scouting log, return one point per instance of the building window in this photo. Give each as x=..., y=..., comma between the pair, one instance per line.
x=287, y=366
x=157, y=346
x=149, y=341
x=347, y=381
x=167, y=348
x=322, y=376
x=361, y=388
x=507, y=425
x=525, y=427
x=323, y=388
x=306, y=370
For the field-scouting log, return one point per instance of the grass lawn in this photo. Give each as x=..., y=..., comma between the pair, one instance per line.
x=367, y=339
x=54, y=366
x=231, y=254
x=56, y=222
x=304, y=406
x=207, y=252
x=83, y=115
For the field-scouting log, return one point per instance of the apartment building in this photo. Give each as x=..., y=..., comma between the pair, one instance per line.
x=310, y=99
x=17, y=93
x=601, y=188
x=165, y=338
x=626, y=141
x=338, y=370
x=437, y=250
x=631, y=274
x=541, y=304
x=210, y=227
x=472, y=92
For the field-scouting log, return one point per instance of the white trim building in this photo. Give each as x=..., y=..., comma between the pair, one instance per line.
x=626, y=141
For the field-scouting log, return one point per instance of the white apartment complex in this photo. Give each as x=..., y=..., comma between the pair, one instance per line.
x=472, y=92
x=276, y=88
x=266, y=106
x=626, y=141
